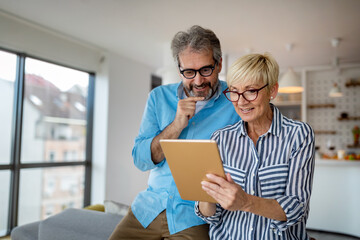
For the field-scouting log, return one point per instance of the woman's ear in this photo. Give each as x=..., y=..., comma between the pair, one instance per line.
x=274, y=91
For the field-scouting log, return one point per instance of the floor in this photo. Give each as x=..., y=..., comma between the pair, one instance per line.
x=319, y=235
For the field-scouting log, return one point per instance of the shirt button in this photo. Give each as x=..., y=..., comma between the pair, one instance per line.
x=251, y=229
x=171, y=197
x=253, y=174
x=252, y=192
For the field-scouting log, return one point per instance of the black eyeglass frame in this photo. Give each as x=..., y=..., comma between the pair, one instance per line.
x=212, y=67
x=242, y=94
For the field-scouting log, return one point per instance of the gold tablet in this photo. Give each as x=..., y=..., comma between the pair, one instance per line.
x=189, y=162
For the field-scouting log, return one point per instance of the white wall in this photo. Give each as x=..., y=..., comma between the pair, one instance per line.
x=121, y=90
x=128, y=90
x=25, y=37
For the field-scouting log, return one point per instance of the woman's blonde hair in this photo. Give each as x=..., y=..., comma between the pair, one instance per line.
x=254, y=68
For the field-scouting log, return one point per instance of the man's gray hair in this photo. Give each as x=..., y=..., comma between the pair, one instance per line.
x=198, y=39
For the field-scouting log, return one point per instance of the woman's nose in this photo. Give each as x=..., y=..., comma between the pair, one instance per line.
x=242, y=100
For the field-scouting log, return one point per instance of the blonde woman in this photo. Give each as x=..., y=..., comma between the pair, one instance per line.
x=268, y=160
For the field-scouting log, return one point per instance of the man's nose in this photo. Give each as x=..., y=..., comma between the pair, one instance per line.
x=198, y=79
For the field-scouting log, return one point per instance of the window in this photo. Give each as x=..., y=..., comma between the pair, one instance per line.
x=7, y=82
x=45, y=139
x=4, y=200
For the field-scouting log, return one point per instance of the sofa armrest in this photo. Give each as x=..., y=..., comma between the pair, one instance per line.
x=26, y=232
x=78, y=224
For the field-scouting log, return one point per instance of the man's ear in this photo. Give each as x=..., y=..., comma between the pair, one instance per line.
x=220, y=65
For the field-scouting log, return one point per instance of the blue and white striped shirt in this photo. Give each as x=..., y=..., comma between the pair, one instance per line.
x=279, y=167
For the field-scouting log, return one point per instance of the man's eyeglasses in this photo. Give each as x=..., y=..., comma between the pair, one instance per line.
x=248, y=95
x=204, y=71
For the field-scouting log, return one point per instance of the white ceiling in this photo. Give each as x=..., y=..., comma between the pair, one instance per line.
x=142, y=29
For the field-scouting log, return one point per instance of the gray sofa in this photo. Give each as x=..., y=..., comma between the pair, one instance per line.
x=71, y=224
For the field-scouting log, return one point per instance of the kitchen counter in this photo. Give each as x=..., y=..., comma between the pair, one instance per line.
x=335, y=200
x=334, y=162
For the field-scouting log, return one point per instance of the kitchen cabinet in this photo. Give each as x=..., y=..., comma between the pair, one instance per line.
x=334, y=203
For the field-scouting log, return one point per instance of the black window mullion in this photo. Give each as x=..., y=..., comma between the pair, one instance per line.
x=89, y=132
x=49, y=165
x=5, y=166
x=16, y=142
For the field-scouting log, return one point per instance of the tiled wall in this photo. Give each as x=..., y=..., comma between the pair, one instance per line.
x=326, y=119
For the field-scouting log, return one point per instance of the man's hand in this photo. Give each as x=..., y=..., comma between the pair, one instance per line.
x=185, y=111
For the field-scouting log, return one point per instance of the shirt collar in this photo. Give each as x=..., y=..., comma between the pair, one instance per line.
x=276, y=124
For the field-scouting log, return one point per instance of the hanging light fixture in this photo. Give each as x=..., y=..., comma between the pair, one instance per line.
x=290, y=82
x=335, y=90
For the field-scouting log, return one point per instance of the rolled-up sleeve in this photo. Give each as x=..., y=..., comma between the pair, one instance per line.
x=214, y=219
x=149, y=128
x=295, y=202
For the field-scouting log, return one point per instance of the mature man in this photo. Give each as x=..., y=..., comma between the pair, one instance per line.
x=192, y=109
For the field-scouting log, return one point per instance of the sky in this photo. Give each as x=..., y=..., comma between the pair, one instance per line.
x=62, y=77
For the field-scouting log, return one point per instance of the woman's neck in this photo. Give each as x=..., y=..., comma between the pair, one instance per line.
x=259, y=127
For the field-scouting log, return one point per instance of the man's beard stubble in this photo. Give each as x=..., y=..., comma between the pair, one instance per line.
x=212, y=90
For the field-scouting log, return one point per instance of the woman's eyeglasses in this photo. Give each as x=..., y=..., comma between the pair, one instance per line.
x=248, y=95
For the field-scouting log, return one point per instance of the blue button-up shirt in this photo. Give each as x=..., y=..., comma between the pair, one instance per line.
x=280, y=166
x=162, y=193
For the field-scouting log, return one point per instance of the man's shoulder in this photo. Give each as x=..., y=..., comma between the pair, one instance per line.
x=166, y=88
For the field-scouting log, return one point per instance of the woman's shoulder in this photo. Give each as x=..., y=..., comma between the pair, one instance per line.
x=236, y=127
x=299, y=125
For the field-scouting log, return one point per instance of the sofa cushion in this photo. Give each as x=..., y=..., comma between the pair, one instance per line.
x=115, y=207
x=78, y=224
x=96, y=207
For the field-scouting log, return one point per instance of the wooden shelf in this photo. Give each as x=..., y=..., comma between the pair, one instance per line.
x=352, y=84
x=348, y=118
x=353, y=146
x=324, y=132
x=286, y=103
x=327, y=105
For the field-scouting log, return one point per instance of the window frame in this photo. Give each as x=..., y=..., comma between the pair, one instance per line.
x=15, y=165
